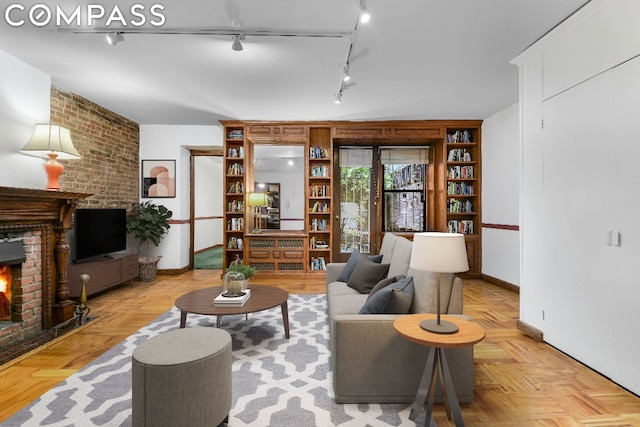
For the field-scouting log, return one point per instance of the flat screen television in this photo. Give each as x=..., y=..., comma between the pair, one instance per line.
x=99, y=232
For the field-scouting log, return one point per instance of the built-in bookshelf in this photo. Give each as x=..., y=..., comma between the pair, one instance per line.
x=319, y=194
x=234, y=200
x=463, y=188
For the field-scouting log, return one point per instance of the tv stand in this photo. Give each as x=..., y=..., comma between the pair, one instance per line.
x=105, y=272
x=97, y=258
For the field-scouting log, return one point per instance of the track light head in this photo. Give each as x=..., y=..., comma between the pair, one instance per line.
x=237, y=46
x=114, y=38
x=345, y=74
x=365, y=16
x=337, y=98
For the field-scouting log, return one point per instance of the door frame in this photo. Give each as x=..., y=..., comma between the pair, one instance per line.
x=211, y=152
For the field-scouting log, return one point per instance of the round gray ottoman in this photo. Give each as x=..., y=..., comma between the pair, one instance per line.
x=182, y=378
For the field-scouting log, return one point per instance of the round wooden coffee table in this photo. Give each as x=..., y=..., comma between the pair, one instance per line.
x=262, y=297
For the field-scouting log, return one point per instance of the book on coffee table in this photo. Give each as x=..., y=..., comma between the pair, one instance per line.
x=227, y=300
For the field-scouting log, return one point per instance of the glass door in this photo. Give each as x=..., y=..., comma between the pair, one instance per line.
x=382, y=189
x=356, y=201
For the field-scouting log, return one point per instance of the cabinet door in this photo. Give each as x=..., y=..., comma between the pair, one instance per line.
x=578, y=165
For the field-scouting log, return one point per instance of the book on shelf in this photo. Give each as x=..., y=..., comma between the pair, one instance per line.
x=464, y=226
x=460, y=172
x=236, y=188
x=459, y=189
x=459, y=155
x=222, y=299
x=314, y=243
x=318, y=264
x=235, y=169
x=460, y=136
x=235, y=224
x=234, y=152
x=321, y=171
x=318, y=153
x=319, y=191
x=235, y=134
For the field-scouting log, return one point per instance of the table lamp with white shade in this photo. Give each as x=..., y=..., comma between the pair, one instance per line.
x=439, y=253
x=54, y=142
x=257, y=201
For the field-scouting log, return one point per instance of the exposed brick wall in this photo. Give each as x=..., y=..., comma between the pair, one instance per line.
x=109, y=146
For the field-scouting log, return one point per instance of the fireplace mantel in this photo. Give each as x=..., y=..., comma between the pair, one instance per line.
x=51, y=212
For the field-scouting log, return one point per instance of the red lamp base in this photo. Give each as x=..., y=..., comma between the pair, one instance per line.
x=53, y=169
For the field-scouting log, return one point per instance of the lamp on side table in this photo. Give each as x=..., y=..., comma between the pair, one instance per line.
x=439, y=253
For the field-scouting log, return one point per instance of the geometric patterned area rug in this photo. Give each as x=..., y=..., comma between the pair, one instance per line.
x=276, y=382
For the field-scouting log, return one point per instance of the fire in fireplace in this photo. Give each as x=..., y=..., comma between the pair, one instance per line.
x=5, y=292
x=11, y=253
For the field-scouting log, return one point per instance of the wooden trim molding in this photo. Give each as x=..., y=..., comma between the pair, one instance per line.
x=204, y=218
x=530, y=331
x=179, y=221
x=501, y=226
x=501, y=283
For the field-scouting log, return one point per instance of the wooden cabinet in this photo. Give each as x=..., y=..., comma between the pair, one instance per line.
x=277, y=132
x=234, y=200
x=463, y=208
x=104, y=273
x=277, y=252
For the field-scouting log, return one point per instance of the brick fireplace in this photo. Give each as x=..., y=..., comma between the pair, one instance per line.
x=37, y=292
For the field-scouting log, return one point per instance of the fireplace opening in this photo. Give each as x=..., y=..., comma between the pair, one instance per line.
x=11, y=253
x=5, y=292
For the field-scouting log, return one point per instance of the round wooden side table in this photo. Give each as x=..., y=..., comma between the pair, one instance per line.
x=468, y=334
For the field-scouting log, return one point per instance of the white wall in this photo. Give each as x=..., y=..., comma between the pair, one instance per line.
x=208, y=201
x=24, y=101
x=501, y=195
x=579, y=144
x=167, y=142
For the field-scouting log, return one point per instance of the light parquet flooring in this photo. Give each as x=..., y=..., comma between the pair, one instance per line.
x=518, y=381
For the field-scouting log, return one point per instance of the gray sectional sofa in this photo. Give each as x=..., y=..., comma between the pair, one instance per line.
x=371, y=362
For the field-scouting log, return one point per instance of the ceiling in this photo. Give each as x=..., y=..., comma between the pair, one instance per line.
x=415, y=59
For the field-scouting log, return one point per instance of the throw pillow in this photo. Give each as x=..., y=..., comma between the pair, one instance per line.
x=393, y=299
x=366, y=274
x=355, y=256
x=384, y=283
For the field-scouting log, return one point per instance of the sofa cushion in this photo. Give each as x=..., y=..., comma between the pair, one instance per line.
x=384, y=283
x=366, y=274
x=401, y=257
x=355, y=256
x=386, y=249
x=426, y=291
x=392, y=299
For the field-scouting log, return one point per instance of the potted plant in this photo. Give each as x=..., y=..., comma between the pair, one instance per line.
x=148, y=223
x=246, y=270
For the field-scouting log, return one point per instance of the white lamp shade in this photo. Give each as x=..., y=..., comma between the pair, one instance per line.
x=257, y=199
x=48, y=138
x=439, y=252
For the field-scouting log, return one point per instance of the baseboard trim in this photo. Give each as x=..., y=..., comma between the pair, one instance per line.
x=534, y=333
x=501, y=283
x=174, y=271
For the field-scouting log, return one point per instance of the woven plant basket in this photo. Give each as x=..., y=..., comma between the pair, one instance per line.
x=148, y=268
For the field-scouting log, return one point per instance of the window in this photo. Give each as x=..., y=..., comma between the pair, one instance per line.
x=403, y=194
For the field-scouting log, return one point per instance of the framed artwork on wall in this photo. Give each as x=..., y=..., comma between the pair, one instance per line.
x=158, y=179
